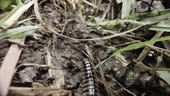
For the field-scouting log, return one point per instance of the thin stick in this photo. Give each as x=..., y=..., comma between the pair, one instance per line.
x=27, y=91
x=112, y=36
x=142, y=65
x=121, y=85
x=108, y=90
x=146, y=50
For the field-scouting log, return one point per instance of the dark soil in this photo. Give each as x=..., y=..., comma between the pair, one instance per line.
x=49, y=60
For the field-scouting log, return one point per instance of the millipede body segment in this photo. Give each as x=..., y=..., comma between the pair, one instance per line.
x=89, y=88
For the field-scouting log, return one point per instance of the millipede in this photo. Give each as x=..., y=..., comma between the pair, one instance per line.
x=89, y=84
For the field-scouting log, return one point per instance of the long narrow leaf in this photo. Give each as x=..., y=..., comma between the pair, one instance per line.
x=24, y=30
x=134, y=46
x=164, y=75
x=11, y=13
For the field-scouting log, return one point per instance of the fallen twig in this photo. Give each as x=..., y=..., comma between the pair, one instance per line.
x=37, y=91
x=121, y=85
x=146, y=50
x=142, y=65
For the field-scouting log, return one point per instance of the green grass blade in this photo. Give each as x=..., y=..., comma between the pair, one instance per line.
x=20, y=4
x=148, y=15
x=165, y=75
x=134, y=46
x=162, y=26
x=158, y=28
x=22, y=31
